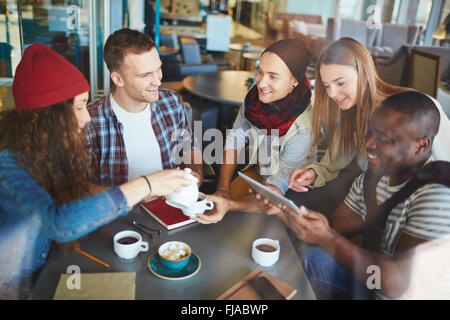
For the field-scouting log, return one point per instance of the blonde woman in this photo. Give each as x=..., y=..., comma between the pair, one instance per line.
x=347, y=91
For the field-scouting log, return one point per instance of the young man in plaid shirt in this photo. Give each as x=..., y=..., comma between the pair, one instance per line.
x=138, y=128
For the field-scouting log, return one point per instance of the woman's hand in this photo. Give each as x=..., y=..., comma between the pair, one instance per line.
x=299, y=180
x=167, y=181
x=162, y=183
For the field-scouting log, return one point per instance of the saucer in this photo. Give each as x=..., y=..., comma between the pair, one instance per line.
x=159, y=270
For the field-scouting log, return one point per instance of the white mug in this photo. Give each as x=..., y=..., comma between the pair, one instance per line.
x=186, y=198
x=129, y=249
x=262, y=257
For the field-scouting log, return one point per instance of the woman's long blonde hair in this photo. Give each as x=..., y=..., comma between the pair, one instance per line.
x=371, y=92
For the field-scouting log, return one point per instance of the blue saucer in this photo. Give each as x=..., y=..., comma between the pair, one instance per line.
x=159, y=270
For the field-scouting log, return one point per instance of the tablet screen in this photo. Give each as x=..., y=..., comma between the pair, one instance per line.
x=273, y=197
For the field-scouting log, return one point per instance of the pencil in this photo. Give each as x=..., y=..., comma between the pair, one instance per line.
x=91, y=257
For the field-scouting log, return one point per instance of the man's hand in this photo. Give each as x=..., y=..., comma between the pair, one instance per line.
x=310, y=226
x=299, y=180
x=266, y=206
x=221, y=207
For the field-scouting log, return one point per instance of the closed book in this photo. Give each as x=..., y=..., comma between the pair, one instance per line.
x=169, y=217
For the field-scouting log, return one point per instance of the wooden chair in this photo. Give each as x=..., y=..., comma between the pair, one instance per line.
x=424, y=72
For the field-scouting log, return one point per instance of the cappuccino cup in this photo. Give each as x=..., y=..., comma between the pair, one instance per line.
x=128, y=244
x=189, y=199
x=175, y=255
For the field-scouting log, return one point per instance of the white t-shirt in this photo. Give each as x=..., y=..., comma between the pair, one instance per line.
x=142, y=148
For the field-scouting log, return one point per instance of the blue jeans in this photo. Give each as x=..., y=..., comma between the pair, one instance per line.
x=330, y=280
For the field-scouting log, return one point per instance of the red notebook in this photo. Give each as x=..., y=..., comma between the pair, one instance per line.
x=168, y=216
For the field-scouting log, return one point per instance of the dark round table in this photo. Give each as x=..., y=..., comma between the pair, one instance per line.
x=227, y=87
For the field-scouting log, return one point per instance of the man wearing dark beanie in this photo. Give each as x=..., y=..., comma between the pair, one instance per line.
x=294, y=54
x=275, y=116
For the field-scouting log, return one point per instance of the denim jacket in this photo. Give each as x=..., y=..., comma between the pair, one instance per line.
x=30, y=219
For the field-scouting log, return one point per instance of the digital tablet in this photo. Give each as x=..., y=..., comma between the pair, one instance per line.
x=273, y=197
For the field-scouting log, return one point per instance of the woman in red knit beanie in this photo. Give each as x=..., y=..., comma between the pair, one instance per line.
x=45, y=168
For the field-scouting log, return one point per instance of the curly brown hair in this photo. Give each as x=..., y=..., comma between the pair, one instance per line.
x=48, y=145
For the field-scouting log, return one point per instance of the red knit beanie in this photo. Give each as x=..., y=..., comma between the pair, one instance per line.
x=43, y=78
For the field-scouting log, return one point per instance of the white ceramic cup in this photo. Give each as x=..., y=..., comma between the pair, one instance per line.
x=265, y=258
x=186, y=198
x=129, y=250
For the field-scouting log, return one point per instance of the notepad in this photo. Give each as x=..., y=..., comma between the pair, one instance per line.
x=96, y=286
x=168, y=216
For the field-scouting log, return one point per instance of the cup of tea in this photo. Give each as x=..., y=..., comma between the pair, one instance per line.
x=265, y=251
x=128, y=244
x=189, y=199
x=175, y=255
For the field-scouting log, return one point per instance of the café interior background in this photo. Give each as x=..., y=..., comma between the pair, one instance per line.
x=78, y=29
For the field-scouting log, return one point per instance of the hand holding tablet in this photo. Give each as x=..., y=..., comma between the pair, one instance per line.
x=271, y=195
